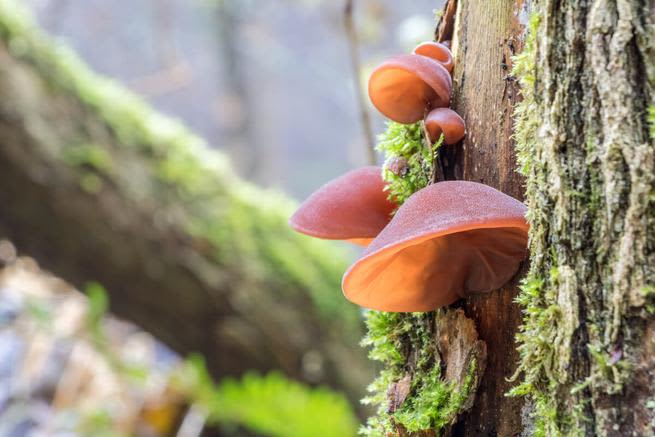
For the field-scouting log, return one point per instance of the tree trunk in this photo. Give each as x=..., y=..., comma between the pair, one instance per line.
x=485, y=94
x=97, y=187
x=587, y=342
x=587, y=338
x=573, y=345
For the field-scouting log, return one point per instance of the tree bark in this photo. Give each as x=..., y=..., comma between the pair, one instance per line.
x=474, y=359
x=582, y=358
x=97, y=187
x=590, y=166
x=485, y=94
x=586, y=348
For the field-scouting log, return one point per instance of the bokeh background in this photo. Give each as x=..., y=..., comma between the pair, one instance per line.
x=267, y=81
x=271, y=84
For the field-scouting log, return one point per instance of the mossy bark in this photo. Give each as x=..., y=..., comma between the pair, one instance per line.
x=590, y=163
x=98, y=187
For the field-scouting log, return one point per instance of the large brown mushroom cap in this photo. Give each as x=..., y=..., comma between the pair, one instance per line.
x=404, y=87
x=352, y=207
x=446, y=121
x=437, y=51
x=447, y=241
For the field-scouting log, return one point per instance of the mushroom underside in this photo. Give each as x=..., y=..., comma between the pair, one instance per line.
x=446, y=121
x=436, y=270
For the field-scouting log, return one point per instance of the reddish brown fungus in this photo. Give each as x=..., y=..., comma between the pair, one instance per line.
x=446, y=121
x=447, y=241
x=404, y=87
x=437, y=51
x=352, y=207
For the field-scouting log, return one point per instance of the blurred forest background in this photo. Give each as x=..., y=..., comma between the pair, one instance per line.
x=269, y=83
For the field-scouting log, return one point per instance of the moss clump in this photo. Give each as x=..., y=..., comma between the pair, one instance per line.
x=401, y=341
x=649, y=294
x=409, y=162
x=435, y=403
x=88, y=155
x=93, y=164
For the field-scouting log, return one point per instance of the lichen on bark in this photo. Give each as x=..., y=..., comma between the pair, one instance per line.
x=583, y=140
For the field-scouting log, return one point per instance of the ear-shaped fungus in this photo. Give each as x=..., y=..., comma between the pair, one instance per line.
x=437, y=51
x=446, y=121
x=352, y=207
x=447, y=241
x=404, y=87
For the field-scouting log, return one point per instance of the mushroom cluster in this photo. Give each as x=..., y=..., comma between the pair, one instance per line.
x=408, y=88
x=449, y=240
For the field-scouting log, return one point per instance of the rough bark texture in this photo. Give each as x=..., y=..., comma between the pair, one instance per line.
x=96, y=187
x=587, y=342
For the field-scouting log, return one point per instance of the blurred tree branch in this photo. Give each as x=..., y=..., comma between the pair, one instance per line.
x=355, y=63
x=98, y=187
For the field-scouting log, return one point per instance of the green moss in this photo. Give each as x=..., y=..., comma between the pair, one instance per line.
x=649, y=294
x=92, y=163
x=538, y=337
x=88, y=155
x=542, y=358
x=432, y=403
x=384, y=337
x=525, y=114
x=409, y=163
x=271, y=405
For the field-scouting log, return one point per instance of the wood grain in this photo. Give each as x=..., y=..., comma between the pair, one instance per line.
x=486, y=35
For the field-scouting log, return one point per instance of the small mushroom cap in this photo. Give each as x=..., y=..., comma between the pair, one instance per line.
x=403, y=87
x=446, y=121
x=351, y=207
x=447, y=241
x=437, y=51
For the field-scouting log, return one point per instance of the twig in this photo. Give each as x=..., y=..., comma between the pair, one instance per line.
x=446, y=24
x=353, y=47
x=437, y=172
